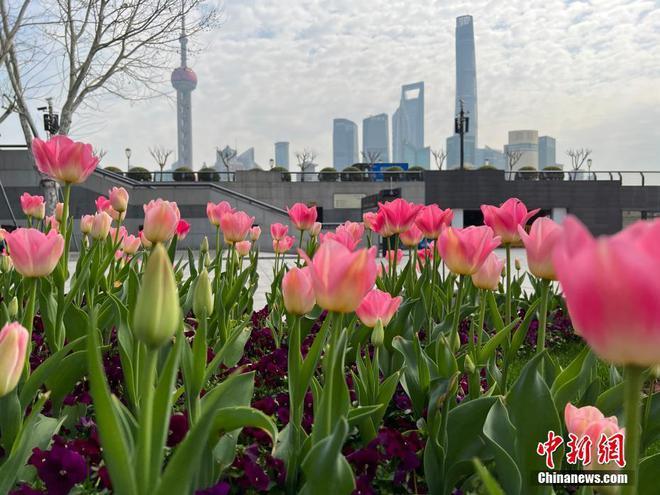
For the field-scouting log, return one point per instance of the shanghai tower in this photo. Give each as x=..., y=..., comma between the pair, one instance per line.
x=466, y=89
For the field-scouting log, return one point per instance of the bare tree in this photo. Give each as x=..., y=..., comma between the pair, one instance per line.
x=160, y=155
x=103, y=47
x=512, y=159
x=371, y=157
x=439, y=157
x=12, y=20
x=578, y=157
x=226, y=157
x=305, y=160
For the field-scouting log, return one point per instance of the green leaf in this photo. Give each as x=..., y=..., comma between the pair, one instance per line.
x=498, y=322
x=327, y=471
x=75, y=321
x=649, y=467
x=610, y=402
x=573, y=380
x=491, y=485
x=70, y=371
x=521, y=332
x=361, y=412
x=500, y=436
x=235, y=417
x=489, y=348
x=651, y=430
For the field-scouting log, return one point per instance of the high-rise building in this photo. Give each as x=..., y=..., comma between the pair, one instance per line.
x=547, y=152
x=408, y=121
x=466, y=92
x=344, y=143
x=282, y=154
x=376, y=138
x=489, y=156
x=184, y=80
x=526, y=143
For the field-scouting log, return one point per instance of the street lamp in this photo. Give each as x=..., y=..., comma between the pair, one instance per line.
x=271, y=163
x=128, y=152
x=589, y=167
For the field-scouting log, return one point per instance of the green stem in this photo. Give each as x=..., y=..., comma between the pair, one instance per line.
x=633, y=381
x=455, y=341
x=302, y=232
x=543, y=316
x=147, y=378
x=482, y=315
x=294, y=359
x=508, y=283
x=63, y=228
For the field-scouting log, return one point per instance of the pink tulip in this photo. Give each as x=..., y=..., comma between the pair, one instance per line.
x=369, y=219
x=505, y=220
x=255, y=233
x=130, y=244
x=354, y=229
x=377, y=305
x=236, y=226
x=63, y=159
x=13, y=346
x=381, y=227
x=341, y=278
x=86, y=223
x=341, y=236
x=316, y=229
x=578, y=419
x=34, y=253
x=611, y=286
x=118, y=199
x=102, y=203
x=182, y=229
x=161, y=219
x=425, y=254
x=119, y=235
x=146, y=243
x=215, y=212
x=411, y=237
x=432, y=219
x=398, y=215
x=465, y=250
x=52, y=223
x=595, y=431
x=302, y=216
x=101, y=225
x=243, y=248
x=59, y=211
x=391, y=254
x=489, y=274
x=281, y=246
x=33, y=206
x=539, y=244
x=278, y=231
x=298, y=291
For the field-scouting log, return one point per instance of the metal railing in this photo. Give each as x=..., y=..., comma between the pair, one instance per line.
x=625, y=177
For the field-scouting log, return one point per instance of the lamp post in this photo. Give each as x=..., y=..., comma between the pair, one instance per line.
x=461, y=126
x=271, y=164
x=128, y=152
x=589, y=167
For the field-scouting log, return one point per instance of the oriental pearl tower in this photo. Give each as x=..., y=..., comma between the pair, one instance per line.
x=184, y=81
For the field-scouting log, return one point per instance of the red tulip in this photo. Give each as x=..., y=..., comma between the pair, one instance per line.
x=161, y=219
x=182, y=229
x=540, y=244
x=302, y=217
x=505, y=220
x=465, y=250
x=398, y=215
x=341, y=277
x=298, y=291
x=236, y=226
x=33, y=206
x=611, y=286
x=34, y=253
x=432, y=219
x=377, y=305
x=63, y=159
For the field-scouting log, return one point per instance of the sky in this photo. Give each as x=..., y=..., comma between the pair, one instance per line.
x=584, y=72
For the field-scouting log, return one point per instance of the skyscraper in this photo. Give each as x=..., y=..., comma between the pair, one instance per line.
x=408, y=122
x=376, y=138
x=547, y=152
x=466, y=91
x=282, y=154
x=344, y=143
x=184, y=81
x=526, y=142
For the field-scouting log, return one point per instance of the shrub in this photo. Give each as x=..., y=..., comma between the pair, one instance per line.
x=328, y=174
x=114, y=170
x=488, y=166
x=183, y=174
x=351, y=174
x=419, y=175
x=139, y=173
x=553, y=175
x=208, y=174
x=286, y=175
x=527, y=173
x=394, y=173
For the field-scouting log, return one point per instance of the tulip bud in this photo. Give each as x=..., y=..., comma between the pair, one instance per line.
x=378, y=334
x=5, y=263
x=12, y=307
x=204, y=246
x=13, y=345
x=468, y=366
x=157, y=311
x=517, y=264
x=203, y=296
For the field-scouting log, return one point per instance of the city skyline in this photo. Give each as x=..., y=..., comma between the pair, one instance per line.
x=280, y=73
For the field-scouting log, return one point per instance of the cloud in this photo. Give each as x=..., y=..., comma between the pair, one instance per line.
x=586, y=72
